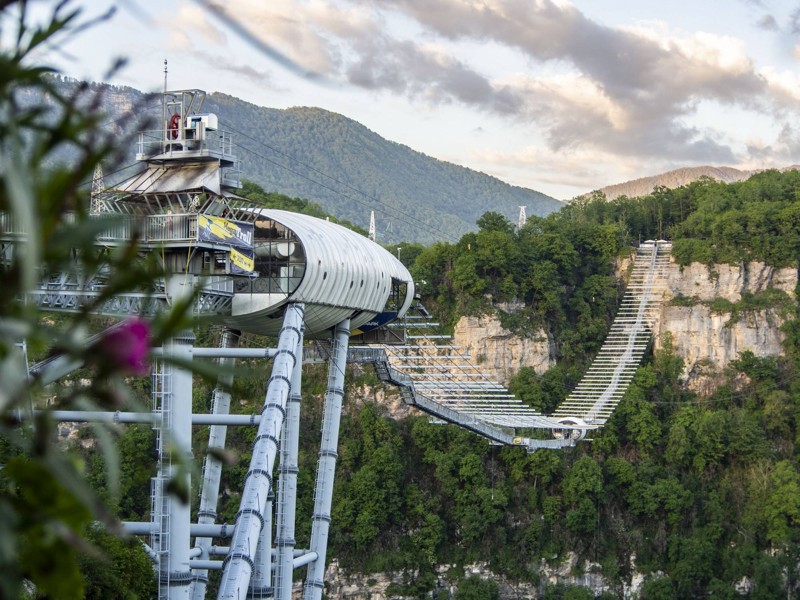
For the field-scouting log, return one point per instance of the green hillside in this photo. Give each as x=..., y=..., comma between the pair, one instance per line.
x=339, y=164
x=696, y=494
x=350, y=170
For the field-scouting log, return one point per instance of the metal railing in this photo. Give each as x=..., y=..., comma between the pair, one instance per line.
x=602, y=387
x=153, y=228
x=445, y=384
x=160, y=141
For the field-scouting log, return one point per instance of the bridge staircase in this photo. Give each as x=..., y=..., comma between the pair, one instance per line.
x=602, y=387
x=435, y=376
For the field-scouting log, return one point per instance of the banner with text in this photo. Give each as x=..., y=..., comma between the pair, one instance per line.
x=222, y=231
x=241, y=262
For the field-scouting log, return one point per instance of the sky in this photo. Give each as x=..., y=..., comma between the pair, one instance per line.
x=557, y=96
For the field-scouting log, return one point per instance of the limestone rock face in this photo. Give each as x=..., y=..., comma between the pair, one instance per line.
x=499, y=352
x=728, y=281
x=708, y=341
x=342, y=585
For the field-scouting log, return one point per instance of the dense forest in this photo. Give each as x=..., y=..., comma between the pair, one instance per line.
x=696, y=493
x=349, y=170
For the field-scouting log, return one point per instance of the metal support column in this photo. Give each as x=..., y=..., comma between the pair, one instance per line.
x=326, y=468
x=174, y=401
x=212, y=466
x=287, y=487
x=258, y=483
x=261, y=580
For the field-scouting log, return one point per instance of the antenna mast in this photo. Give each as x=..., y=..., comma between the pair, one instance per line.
x=164, y=99
x=522, y=218
x=97, y=205
x=372, y=235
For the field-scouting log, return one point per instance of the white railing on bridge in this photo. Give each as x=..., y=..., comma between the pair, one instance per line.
x=447, y=385
x=610, y=374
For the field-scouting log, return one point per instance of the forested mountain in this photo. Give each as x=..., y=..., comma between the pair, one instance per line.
x=417, y=197
x=673, y=179
x=347, y=169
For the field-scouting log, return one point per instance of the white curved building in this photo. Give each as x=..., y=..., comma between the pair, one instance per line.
x=334, y=271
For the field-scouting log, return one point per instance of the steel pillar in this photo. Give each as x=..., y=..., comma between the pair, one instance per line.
x=173, y=398
x=258, y=483
x=212, y=467
x=326, y=468
x=287, y=487
x=261, y=580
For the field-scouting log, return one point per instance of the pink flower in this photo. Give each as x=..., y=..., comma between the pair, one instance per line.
x=127, y=346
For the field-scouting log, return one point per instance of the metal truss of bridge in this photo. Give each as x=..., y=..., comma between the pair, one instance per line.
x=441, y=381
x=295, y=278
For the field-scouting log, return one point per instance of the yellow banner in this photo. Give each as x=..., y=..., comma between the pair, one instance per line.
x=241, y=261
x=217, y=229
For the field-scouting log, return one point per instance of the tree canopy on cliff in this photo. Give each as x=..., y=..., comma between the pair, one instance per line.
x=710, y=221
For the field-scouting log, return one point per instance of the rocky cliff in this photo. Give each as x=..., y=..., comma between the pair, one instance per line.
x=498, y=351
x=710, y=316
x=342, y=585
x=730, y=282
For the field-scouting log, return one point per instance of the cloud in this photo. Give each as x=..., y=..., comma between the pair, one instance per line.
x=191, y=24
x=768, y=22
x=627, y=91
x=292, y=28
x=262, y=78
x=780, y=152
x=564, y=174
x=424, y=72
x=633, y=85
x=794, y=21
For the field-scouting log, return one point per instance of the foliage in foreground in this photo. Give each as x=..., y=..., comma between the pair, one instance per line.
x=46, y=504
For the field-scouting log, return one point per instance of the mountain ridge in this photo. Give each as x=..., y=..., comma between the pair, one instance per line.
x=348, y=169
x=643, y=186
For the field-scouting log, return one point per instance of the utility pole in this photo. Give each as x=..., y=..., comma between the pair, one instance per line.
x=523, y=218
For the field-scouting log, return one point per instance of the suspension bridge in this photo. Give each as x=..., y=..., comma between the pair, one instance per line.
x=297, y=279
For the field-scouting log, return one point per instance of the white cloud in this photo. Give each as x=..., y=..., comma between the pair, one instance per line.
x=562, y=174
x=314, y=34
x=631, y=93
x=190, y=27
x=195, y=22
x=784, y=85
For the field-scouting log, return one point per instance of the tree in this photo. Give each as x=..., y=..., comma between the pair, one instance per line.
x=45, y=500
x=475, y=588
x=371, y=499
x=494, y=221
x=119, y=568
x=582, y=488
x=658, y=588
x=783, y=504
